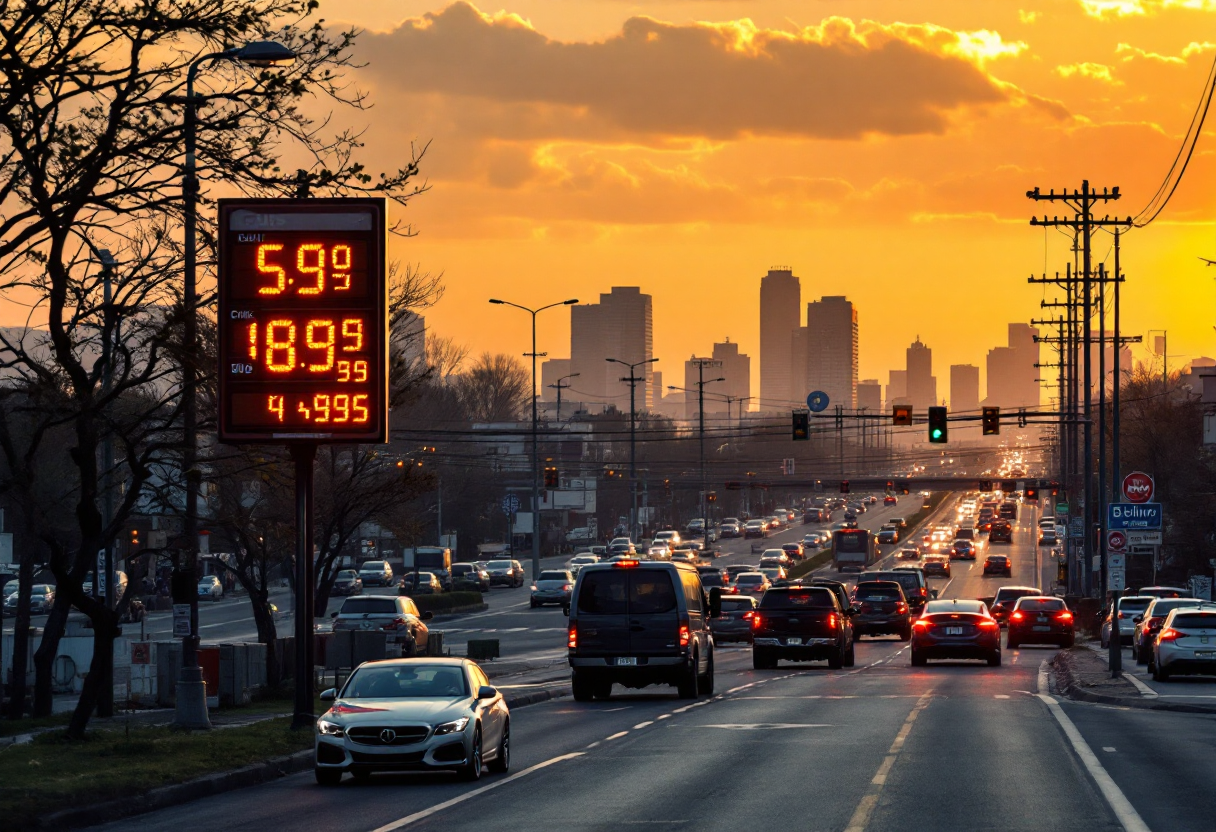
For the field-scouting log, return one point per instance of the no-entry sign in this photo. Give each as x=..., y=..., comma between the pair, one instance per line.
x=1116, y=541
x=1138, y=487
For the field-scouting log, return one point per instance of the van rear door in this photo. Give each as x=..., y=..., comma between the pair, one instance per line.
x=654, y=614
x=603, y=612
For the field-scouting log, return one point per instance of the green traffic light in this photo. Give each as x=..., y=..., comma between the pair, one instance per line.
x=937, y=434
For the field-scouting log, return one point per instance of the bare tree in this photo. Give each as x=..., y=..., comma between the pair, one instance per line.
x=91, y=150
x=445, y=357
x=497, y=388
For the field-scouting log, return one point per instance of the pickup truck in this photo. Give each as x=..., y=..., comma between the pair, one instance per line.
x=802, y=624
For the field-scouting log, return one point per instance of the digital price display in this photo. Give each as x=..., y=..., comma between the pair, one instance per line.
x=303, y=353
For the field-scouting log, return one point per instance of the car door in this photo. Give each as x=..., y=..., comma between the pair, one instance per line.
x=493, y=711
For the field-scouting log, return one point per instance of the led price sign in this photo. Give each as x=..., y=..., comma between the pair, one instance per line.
x=302, y=310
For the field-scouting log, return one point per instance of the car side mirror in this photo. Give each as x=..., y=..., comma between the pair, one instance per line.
x=426, y=616
x=486, y=692
x=715, y=602
x=333, y=614
x=329, y=695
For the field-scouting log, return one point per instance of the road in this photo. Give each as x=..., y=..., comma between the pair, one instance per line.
x=953, y=746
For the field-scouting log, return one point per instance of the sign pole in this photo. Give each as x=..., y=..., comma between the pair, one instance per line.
x=304, y=457
x=1115, y=642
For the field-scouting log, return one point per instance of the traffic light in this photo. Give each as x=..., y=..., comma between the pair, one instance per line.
x=802, y=426
x=1032, y=494
x=711, y=497
x=844, y=486
x=937, y=425
x=992, y=421
x=986, y=486
x=667, y=487
x=551, y=480
x=134, y=538
x=890, y=486
x=901, y=414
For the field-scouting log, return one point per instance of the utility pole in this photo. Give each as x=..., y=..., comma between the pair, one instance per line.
x=559, y=387
x=1082, y=202
x=702, y=363
x=635, y=525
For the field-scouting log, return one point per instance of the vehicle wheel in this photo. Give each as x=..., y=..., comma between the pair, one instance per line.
x=918, y=660
x=472, y=772
x=707, y=681
x=906, y=633
x=327, y=776
x=850, y=657
x=502, y=763
x=687, y=685
x=581, y=687
x=836, y=660
x=995, y=659
x=1141, y=656
x=1160, y=674
x=1152, y=665
x=602, y=691
x=760, y=660
x=1068, y=642
x=1011, y=644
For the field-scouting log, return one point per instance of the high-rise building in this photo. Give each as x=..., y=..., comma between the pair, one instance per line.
x=800, y=369
x=550, y=371
x=897, y=387
x=737, y=370
x=620, y=326
x=780, y=309
x=831, y=324
x=869, y=395
x=722, y=398
x=964, y=388
x=922, y=385
x=1011, y=371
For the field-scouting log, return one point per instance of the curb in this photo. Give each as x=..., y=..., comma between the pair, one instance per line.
x=1066, y=683
x=164, y=797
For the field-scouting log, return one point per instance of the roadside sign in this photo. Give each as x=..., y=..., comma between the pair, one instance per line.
x=1143, y=538
x=1061, y=509
x=1133, y=516
x=1138, y=487
x=181, y=620
x=1076, y=528
x=817, y=402
x=1116, y=579
x=1201, y=587
x=1116, y=541
x=1116, y=560
x=510, y=504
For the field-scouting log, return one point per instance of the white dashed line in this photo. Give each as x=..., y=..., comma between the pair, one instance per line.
x=616, y=736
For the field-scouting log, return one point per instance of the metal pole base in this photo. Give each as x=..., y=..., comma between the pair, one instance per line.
x=191, y=707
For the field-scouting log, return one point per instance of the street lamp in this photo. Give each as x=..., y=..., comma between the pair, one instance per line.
x=191, y=694
x=702, y=363
x=635, y=531
x=535, y=449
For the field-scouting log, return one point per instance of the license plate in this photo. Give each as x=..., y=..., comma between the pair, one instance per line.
x=954, y=631
x=626, y=661
x=1205, y=654
x=1041, y=629
x=793, y=641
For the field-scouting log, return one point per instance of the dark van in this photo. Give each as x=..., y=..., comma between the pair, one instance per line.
x=916, y=588
x=638, y=623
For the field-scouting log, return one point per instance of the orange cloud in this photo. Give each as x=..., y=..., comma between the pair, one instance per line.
x=837, y=80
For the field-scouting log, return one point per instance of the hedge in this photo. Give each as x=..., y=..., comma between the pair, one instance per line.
x=447, y=601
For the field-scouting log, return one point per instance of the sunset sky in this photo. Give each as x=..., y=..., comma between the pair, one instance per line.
x=882, y=148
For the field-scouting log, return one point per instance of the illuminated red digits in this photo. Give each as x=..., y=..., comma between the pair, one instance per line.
x=280, y=282
x=287, y=347
x=327, y=344
x=360, y=371
x=353, y=328
x=320, y=403
x=359, y=405
x=341, y=408
x=340, y=257
x=253, y=341
x=275, y=406
x=317, y=270
x=343, y=371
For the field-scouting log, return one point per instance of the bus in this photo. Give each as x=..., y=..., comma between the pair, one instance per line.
x=853, y=550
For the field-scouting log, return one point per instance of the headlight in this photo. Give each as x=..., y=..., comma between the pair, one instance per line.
x=330, y=729
x=454, y=727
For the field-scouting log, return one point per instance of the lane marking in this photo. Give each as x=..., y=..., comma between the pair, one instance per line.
x=1109, y=749
x=1144, y=689
x=616, y=736
x=865, y=807
x=1000, y=696
x=447, y=804
x=642, y=725
x=762, y=726
x=1125, y=813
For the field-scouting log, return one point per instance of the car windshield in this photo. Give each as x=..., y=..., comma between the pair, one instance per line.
x=554, y=576
x=750, y=578
x=1163, y=607
x=1040, y=604
x=499, y=564
x=798, y=599
x=626, y=592
x=1008, y=595
x=712, y=579
x=406, y=682
x=369, y=605
x=736, y=604
x=347, y=574
x=372, y=566
x=954, y=606
x=878, y=592
x=1195, y=620
x=910, y=581
x=1134, y=604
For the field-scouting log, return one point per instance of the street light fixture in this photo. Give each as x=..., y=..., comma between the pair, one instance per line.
x=191, y=694
x=535, y=448
x=635, y=531
x=559, y=387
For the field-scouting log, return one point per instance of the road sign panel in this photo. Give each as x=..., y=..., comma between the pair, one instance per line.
x=510, y=504
x=1138, y=487
x=302, y=320
x=1133, y=516
x=1116, y=560
x=1061, y=509
x=1143, y=538
x=1116, y=540
x=1116, y=579
x=817, y=401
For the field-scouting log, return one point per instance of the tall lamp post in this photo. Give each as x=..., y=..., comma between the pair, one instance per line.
x=535, y=445
x=702, y=363
x=635, y=524
x=191, y=694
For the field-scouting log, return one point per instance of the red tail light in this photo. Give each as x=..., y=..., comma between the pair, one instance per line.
x=757, y=622
x=921, y=623
x=625, y=564
x=572, y=637
x=395, y=623
x=901, y=608
x=1017, y=616
x=685, y=635
x=734, y=590
x=831, y=621
x=747, y=616
x=1170, y=635
x=988, y=624
x=1121, y=613
x=1064, y=616
x=566, y=588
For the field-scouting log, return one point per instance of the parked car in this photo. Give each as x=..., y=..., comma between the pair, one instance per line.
x=1148, y=624
x=395, y=615
x=1186, y=644
x=376, y=573
x=42, y=598
x=470, y=574
x=638, y=624
x=552, y=587
x=347, y=582
x=1125, y=612
x=735, y=621
x=1040, y=620
x=956, y=629
x=210, y=588
x=801, y=624
x=505, y=573
x=413, y=714
x=421, y=583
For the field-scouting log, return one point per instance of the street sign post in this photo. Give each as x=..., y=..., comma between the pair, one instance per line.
x=1138, y=487
x=1116, y=541
x=817, y=402
x=1143, y=538
x=1134, y=516
x=510, y=504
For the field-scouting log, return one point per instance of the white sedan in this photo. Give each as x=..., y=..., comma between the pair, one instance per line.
x=210, y=587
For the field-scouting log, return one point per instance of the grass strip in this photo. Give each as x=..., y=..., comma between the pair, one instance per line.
x=51, y=773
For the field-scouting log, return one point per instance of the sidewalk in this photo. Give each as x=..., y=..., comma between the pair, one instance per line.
x=1083, y=674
